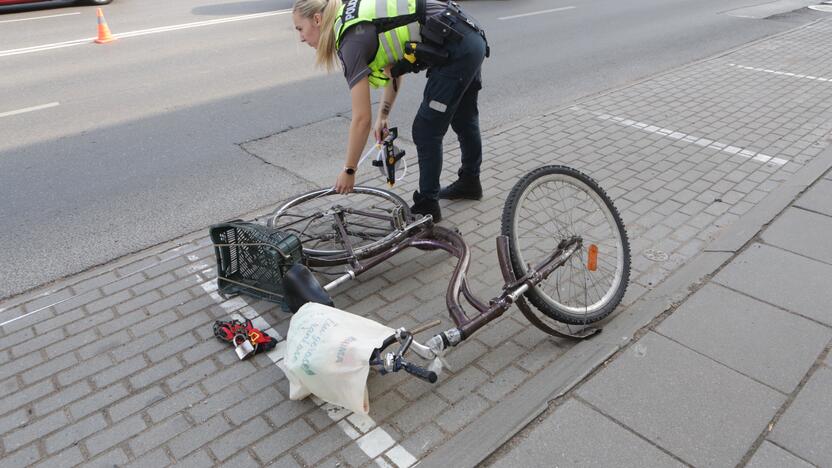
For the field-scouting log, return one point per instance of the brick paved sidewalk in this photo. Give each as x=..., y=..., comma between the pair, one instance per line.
x=119, y=366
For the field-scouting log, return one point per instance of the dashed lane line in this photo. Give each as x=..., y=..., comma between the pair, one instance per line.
x=535, y=13
x=40, y=17
x=782, y=73
x=29, y=109
x=696, y=140
x=142, y=32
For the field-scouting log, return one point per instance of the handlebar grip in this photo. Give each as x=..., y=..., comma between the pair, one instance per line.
x=424, y=374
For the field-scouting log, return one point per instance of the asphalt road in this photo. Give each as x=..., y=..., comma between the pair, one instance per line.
x=108, y=149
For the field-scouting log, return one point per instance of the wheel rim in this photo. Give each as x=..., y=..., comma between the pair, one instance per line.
x=556, y=206
x=311, y=217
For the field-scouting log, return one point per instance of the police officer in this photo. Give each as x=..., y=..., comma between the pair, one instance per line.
x=371, y=38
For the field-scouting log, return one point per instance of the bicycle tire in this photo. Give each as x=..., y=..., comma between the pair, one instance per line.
x=559, y=297
x=319, y=203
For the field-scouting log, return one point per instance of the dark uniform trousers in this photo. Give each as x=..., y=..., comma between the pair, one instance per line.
x=450, y=98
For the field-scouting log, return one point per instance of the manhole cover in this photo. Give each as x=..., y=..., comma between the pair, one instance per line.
x=825, y=8
x=656, y=255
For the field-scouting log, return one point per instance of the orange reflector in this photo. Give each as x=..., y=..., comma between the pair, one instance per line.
x=592, y=263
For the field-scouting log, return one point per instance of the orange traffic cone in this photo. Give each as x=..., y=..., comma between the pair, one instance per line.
x=104, y=35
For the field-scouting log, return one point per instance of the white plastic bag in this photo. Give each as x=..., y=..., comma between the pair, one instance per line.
x=327, y=354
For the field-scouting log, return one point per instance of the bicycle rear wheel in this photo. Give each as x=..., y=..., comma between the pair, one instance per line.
x=553, y=203
x=371, y=218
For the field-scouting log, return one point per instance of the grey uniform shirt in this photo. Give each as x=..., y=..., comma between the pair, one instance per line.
x=359, y=45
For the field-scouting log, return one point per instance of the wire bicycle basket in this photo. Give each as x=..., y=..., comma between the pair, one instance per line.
x=253, y=259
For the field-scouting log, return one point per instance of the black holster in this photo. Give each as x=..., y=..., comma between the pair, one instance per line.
x=424, y=55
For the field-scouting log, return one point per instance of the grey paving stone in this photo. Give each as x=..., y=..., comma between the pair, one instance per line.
x=289, y=410
x=265, y=376
x=33, y=431
x=239, y=439
x=203, y=350
x=576, y=435
x=187, y=442
x=754, y=338
x=88, y=322
x=500, y=357
x=62, y=398
x=506, y=381
x=462, y=384
x=171, y=347
x=118, y=372
x=73, y=434
x=113, y=458
x=191, y=375
x=20, y=364
x=805, y=429
x=69, y=457
x=772, y=456
x=281, y=441
x=175, y=403
x=159, y=434
x=254, y=405
x=136, y=346
x=656, y=385
x=107, y=302
x=65, y=345
x=242, y=460
x=97, y=401
x=14, y=420
x=322, y=445
x=462, y=413
x=239, y=371
x=818, y=197
x=135, y=403
x=115, y=435
x=217, y=402
x=802, y=232
x=156, y=458
x=285, y=462
x=49, y=368
x=26, y=457
x=418, y=413
x=85, y=369
x=32, y=346
x=155, y=372
x=121, y=284
x=782, y=278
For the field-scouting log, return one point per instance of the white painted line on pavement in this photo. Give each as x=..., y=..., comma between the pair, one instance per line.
x=29, y=109
x=40, y=17
x=777, y=72
x=142, y=32
x=171, y=254
x=371, y=438
x=699, y=141
x=541, y=12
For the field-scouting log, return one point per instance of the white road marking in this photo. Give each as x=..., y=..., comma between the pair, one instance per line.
x=40, y=17
x=372, y=439
x=699, y=141
x=777, y=72
x=141, y=32
x=541, y=12
x=170, y=254
x=29, y=109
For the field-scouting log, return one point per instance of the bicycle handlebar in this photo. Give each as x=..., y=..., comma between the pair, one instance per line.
x=422, y=373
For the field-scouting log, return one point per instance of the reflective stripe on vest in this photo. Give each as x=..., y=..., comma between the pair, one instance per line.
x=391, y=42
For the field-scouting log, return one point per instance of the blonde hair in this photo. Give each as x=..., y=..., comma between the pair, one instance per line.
x=326, y=53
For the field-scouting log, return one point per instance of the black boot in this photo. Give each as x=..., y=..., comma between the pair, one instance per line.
x=466, y=187
x=426, y=206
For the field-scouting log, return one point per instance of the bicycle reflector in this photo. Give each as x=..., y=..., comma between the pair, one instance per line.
x=592, y=261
